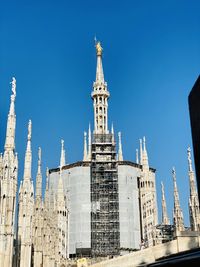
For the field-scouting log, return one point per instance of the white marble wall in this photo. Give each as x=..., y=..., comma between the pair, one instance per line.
x=76, y=182
x=129, y=206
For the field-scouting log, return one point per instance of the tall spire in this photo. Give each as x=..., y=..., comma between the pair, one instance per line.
x=85, y=153
x=38, y=192
x=26, y=208
x=120, y=154
x=89, y=143
x=189, y=159
x=99, y=71
x=112, y=129
x=193, y=191
x=28, y=156
x=38, y=219
x=113, y=134
x=177, y=212
x=144, y=154
x=62, y=156
x=141, y=153
x=8, y=187
x=193, y=199
x=100, y=96
x=137, y=157
x=165, y=218
x=11, y=122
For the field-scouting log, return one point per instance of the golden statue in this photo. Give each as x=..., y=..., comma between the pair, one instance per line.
x=99, y=49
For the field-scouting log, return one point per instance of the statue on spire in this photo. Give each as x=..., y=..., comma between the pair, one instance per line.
x=29, y=129
x=99, y=49
x=141, y=152
x=137, y=156
x=13, y=86
x=189, y=158
x=39, y=154
x=144, y=142
x=62, y=156
x=62, y=144
x=85, y=153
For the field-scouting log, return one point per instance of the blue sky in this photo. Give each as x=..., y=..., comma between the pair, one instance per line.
x=151, y=61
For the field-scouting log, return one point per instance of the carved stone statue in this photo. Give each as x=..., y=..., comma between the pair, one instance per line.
x=39, y=154
x=162, y=188
x=29, y=129
x=189, y=158
x=13, y=86
x=62, y=143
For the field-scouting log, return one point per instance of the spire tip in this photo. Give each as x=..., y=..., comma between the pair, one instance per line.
x=13, y=86
x=99, y=49
x=39, y=154
x=29, y=129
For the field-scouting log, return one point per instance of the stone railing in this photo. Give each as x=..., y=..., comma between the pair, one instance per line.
x=149, y=255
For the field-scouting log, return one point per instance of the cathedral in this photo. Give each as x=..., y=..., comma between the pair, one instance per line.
x=106, y=193
x=99, y=206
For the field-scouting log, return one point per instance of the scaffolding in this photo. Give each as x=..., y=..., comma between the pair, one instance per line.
x=105, y=234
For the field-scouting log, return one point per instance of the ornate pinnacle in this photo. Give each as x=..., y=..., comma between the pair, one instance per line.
x=13, y=86
x=85, y=154
x=144, y=142
x=144, y=153
x=174, y=174
x=11, y=122
x=137, y=157
x=89, y=143
x=29, y=129
x=39, y=155
x=99, y=49
x=141, y=152
x=62, y=143
x=39, y=176
x=112, y=129
x=162, y=187
x=177, y=212
x=189, y=159
x=62, y=156
x=28, y=155
x=165, y=219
